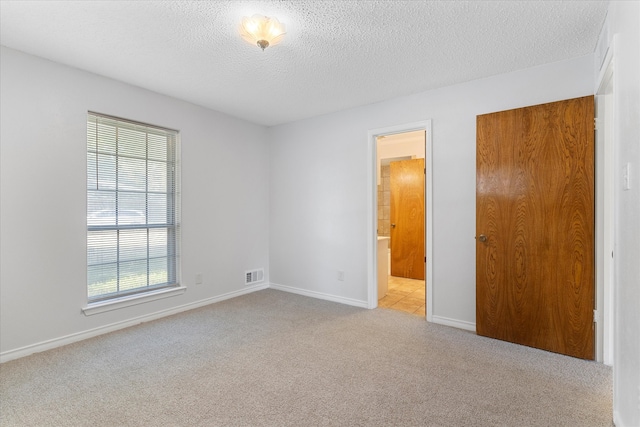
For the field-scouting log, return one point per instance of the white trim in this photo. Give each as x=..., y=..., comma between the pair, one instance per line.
x=128, y=301
x=616, y=420
x=319, y=295
x=428, y=162
x=79, y=336
x=605, y=207
x=372, y=208
x=460, y=324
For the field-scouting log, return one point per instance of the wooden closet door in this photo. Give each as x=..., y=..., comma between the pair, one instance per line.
x=535, y=226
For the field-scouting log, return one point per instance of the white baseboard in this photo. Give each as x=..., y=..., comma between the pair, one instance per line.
x=616, y=420
x=320, y=295
x=79, y=336
x=460, y=324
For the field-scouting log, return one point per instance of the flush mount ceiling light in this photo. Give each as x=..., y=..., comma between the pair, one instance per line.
x=262, y=31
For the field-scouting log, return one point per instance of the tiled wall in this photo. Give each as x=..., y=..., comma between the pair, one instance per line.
x=384, y=202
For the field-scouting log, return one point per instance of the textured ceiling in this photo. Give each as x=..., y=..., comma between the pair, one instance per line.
x=335, y=55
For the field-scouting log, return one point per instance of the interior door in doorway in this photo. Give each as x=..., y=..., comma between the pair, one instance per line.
x=535, y=281
x=407, y=218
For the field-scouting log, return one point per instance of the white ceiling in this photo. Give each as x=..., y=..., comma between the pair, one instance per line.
x=335, y=55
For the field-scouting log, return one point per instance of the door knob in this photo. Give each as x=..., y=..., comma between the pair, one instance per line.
x=482, y=238
x=393, y=225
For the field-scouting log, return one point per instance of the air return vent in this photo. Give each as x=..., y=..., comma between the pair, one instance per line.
x=253, y=276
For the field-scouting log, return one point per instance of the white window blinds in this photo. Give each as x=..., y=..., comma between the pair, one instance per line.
x=132, y=208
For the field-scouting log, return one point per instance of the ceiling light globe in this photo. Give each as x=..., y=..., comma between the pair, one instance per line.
x=262, y=31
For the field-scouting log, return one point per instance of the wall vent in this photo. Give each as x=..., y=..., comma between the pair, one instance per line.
x=254, y=276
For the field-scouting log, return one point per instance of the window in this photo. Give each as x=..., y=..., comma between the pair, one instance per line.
x=132, y=208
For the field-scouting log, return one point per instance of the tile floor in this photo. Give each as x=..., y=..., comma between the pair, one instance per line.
x=406, y=295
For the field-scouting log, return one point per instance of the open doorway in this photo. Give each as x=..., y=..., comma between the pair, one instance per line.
x=400, y=218
x=401, y=222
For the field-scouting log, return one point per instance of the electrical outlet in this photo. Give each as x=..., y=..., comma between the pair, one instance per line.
x=199, y=279
x=341, y=275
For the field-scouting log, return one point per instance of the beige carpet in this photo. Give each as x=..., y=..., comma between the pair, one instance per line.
x=277, y=359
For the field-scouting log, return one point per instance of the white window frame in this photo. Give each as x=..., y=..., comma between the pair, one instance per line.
x=123, y=221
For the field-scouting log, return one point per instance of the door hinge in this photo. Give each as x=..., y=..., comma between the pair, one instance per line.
x=425, y=259
x=596, y=316
x=597, y=123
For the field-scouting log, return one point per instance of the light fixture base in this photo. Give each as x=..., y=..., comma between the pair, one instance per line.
x=262, y=44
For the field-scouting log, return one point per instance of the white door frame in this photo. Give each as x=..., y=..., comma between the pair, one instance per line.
x=372, y=210
x=605, y=209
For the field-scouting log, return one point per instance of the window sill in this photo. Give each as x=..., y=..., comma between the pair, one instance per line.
x=118, y=303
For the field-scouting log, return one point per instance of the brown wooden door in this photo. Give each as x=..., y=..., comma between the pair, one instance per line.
x=535, y=205
x=407, y=218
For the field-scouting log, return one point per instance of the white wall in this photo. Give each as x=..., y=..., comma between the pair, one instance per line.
x=624, y=24
x=43, y=199
x=408, y=144
x=318, y=184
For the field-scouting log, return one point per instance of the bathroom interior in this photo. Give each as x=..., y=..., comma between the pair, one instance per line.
x=400, y=222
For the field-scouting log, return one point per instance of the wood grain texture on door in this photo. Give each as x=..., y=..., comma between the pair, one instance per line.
x=407, y=218
x=535, y=282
